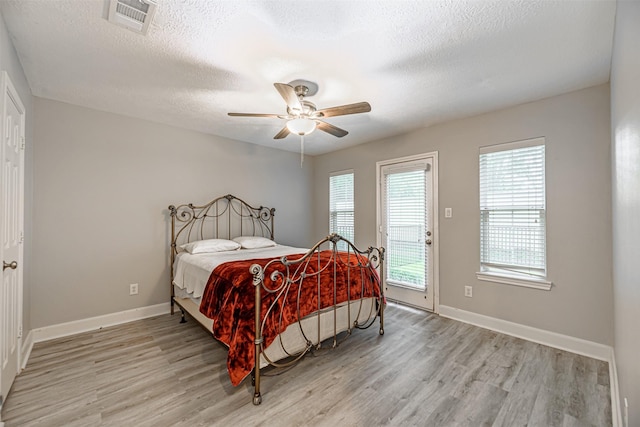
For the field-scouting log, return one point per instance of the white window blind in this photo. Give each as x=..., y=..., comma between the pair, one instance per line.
x=512, y=208
x=341, y=212
x=405, y=206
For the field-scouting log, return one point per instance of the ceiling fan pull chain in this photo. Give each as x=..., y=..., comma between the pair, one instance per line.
x=301, y=150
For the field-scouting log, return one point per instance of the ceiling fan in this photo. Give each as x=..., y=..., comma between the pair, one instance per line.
x=302, y=116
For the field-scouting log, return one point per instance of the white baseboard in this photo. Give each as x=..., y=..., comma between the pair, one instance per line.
x=27, y=346
x=98, y=322
x=548, y=338
x=616, y=406
x=540, y=336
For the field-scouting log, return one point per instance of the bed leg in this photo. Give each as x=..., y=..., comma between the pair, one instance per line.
x=255, y=382
x=183, y=319
x=257, y=399
x=382, y=305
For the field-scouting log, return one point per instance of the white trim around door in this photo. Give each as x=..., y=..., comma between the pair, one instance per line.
x=425, y=295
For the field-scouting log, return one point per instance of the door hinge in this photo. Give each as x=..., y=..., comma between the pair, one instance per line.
x=22, y=237
x=20, y=331
x=22, y=142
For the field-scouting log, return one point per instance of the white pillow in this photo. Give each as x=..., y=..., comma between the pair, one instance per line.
x=254, y=242
x=210, y=245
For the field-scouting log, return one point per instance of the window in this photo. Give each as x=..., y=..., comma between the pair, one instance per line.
x=513, y=213
x=341, y=206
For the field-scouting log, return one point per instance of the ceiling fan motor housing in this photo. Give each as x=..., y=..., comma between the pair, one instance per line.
x=308, y=109
x=301, y=90
x=310, y=88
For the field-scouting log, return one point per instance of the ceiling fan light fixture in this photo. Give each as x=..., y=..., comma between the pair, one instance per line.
x=301, y=126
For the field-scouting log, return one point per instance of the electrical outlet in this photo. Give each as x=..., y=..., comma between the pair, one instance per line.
x=133, y=289
x=468, y=291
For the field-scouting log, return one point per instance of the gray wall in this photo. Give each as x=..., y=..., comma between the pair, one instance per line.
x=102, y=184
x=625, y=125
x=9, y=62
x=577, y=131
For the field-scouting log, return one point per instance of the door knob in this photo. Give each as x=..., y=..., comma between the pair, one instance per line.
x=13, y=265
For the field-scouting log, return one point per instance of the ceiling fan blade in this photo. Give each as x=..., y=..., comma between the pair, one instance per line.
x=253, y=115
x=288, y=93
x=282, y=134
x=342, y=110
x=329, y=128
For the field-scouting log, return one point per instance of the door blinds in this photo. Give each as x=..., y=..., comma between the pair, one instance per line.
x=405, y=222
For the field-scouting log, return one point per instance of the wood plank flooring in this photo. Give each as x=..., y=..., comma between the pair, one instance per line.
x=425, y=371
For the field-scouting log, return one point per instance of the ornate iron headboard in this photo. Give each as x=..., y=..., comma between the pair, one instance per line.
x=225, y=217
x=222, y=218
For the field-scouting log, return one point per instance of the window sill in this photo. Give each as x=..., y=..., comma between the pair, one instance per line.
x=541, y=284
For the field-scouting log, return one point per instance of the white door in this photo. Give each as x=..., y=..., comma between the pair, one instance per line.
x=11, y=233
x=408, y=229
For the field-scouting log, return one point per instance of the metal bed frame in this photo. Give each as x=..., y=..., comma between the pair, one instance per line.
x=228, y=216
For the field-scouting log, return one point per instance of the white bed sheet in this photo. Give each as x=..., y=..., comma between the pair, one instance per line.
x=193, y=270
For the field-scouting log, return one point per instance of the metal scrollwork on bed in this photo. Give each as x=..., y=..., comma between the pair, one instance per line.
x=223, y=217
x=314, y=297
x=287, y=275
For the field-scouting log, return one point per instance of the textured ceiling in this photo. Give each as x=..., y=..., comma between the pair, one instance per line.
x=416, y=62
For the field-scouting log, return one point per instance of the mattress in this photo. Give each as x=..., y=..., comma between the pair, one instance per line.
x=192, y=271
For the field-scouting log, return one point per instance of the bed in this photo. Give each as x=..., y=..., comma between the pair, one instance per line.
x=270, y=304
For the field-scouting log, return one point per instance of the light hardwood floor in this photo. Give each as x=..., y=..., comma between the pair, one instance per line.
x=425, y=371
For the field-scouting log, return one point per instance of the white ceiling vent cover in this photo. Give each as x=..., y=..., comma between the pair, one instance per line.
x=135, y=15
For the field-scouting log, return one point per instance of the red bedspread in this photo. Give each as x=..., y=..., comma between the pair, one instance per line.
x=229, y=299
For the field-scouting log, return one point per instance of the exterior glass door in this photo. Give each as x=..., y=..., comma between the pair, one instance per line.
x=407, y=230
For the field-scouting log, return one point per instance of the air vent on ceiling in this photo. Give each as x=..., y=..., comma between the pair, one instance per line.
x=135, y=15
